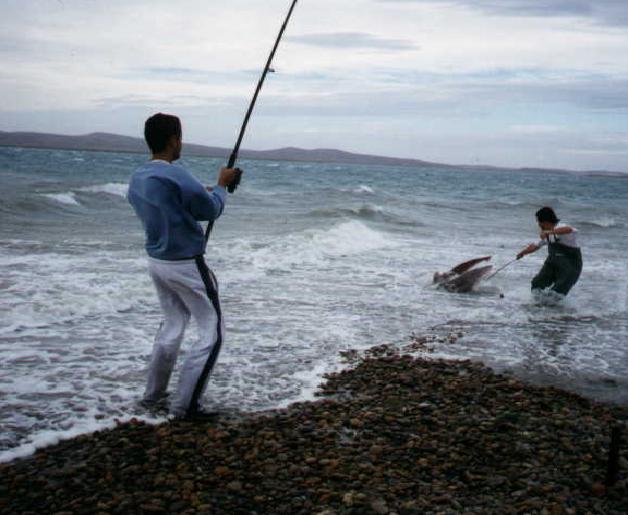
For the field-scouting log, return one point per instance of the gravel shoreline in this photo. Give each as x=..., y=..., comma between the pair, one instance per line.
x=393, y=434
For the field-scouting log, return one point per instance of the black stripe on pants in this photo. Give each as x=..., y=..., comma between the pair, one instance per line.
x=212, y=293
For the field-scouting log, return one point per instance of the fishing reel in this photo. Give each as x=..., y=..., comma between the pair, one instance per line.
x=236, y=181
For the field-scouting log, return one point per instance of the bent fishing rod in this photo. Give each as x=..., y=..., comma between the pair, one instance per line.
x=236, y=149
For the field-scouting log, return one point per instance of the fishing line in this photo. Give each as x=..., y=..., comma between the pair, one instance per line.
x=501, y=268
x=236, y=149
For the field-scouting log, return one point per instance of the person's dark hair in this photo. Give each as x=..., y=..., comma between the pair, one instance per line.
x=546, y=214
x=159, y=128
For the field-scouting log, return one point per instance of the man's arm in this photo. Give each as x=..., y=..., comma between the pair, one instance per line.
x=206, y=205
x=209, y=203
x=533, y=247
x=557, y=231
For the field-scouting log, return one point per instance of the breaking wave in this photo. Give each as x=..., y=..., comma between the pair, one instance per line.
x=112, y=188
x=68, y=198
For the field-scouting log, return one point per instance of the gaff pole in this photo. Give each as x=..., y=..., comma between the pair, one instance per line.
x=236, y=149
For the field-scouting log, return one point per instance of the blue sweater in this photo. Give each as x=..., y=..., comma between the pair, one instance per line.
x=170, y=201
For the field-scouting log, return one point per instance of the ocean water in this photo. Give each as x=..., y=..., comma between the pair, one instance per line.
x=312, y=259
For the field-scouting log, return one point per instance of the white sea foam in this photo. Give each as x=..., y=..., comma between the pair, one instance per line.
x=15, y=241
x=605, y=222
x=350, y=238
x=363, y=188
x=369, y=209
x=96, y=289
x=310, y=380
x=111, y=188
x=45, y=438
x=68, y=198
x=313, y=247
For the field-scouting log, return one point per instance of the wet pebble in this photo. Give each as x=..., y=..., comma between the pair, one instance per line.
x=395, y=434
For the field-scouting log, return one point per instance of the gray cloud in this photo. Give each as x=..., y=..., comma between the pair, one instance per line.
x=610, y=95
x=189, y=75
x=359, y=40
x=216, y=102
x=446, y=96
x=609, y=12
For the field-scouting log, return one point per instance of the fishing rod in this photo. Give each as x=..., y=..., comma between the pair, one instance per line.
x=236, y=149
x=501, y=268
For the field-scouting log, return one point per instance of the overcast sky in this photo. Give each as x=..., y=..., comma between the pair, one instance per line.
x=539, y=83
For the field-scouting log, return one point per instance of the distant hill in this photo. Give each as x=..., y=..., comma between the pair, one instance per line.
x=105, y=142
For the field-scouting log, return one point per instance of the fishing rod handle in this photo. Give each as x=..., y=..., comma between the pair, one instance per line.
x=236, y=181
x=230, y=164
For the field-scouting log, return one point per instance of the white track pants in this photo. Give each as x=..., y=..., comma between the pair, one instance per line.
x=185, y=288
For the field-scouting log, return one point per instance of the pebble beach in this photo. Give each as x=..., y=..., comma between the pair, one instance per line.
x=394, y=432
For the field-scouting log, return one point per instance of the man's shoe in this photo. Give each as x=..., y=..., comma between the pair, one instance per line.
x=158, y=407
x=198, y=415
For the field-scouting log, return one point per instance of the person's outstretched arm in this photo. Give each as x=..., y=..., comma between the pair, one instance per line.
x=533, y=247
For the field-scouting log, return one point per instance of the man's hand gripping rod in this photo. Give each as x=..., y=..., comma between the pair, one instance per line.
x=236, y=149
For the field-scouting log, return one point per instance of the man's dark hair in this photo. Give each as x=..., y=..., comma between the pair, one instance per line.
x=546, y=214
x=159, y=128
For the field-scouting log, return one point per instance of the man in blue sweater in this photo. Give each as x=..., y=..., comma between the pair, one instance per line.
x=170, y=202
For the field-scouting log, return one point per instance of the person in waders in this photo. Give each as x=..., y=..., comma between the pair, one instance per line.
x=170, y=202
x=563, y=265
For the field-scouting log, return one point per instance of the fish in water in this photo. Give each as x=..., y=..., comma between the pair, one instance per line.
x=463, y=277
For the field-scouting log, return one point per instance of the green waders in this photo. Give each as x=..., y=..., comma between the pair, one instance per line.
x=561, y=269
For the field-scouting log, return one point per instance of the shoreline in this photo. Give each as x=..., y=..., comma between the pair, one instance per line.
x=392, y=433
